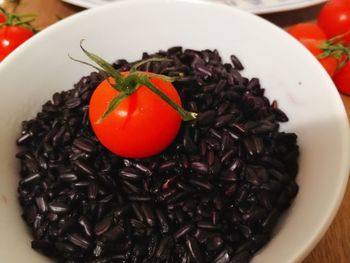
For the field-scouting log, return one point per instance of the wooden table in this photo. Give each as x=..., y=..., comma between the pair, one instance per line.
x=335, y=245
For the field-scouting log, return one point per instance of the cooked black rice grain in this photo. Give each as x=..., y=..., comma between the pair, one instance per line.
x=214, y=195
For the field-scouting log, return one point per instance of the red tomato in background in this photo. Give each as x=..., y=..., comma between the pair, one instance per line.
x=11, y=37
x=307, y=30
x=334, y=18
x=2, y=17
x=141, y=126
x=329, y=63
x=342, y=79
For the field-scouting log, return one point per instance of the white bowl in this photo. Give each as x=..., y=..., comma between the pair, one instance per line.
x=37, y=69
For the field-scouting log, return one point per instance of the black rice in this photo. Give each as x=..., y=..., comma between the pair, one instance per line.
x=214, y=195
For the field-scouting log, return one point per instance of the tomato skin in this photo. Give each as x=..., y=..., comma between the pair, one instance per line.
x=141, y=126
x=2, y=17
x=342, y=79
x=11, y=37
x=307, y=30
x=329, y=63
x=334, y=18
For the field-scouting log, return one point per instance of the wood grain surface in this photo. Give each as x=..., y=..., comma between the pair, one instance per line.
x=334, y=247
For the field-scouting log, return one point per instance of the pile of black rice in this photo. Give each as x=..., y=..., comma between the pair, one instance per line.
x=214, y=195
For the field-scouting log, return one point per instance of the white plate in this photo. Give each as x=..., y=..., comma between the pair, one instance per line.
x=253, y=6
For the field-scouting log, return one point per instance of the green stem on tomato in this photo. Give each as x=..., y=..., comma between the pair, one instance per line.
x=185, y=115
x=23, y=22
x=102, y=72
x=113, y=104
x=104, y=65
x=338, y=50
x=18, y=20
x=142, y=62
x=167, y=78
x=127, y=85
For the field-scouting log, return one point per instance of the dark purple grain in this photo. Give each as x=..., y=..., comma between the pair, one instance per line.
x=163, y=221
x=215, y=133
x=137, y=211
x=57, y=99
x=130, y=174
x=183, y=231
x=205, y=185
x=283, y=177
x=30, y=214
x=84, y=167
x=92, y=190
x=206, y=118
x=245, y=230
x=230, y=190
x=194, y=249
x=140, y=198
x=149, y=215
x=215, y=217
x=143, y=168
x=223, y=257
x=72, y=103
x=81, y=184
x=214, y=195
x=163, y=247
x=68, y=177
x=114, y=233
x=254, y=215
x=84, y=145
x=215, y=242
x=200, y=167
x=188, y=143
x=236, y=62
x=85, y=225
x=31, y=179
x=24, y=138
x=79, y=240
x=58, y=207
x=242, y=257
x=41, y=203
x=224, y=120
x=64, y=247
x=280, y=115
x=178, y=197
x=102, y=226
x=202, y=235
x=167, y=165
x=208, y=225
x=272, y=185
x=52, y=217
x=185, y=186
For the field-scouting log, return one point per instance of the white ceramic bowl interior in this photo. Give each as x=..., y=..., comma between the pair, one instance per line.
x=37, y=69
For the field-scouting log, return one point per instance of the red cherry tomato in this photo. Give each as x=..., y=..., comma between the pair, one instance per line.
x=342, y=79
x=329, y=63
x=2, y=17
x=334, y=18
x=142, y=125
x=11, y=37
x=307, y=30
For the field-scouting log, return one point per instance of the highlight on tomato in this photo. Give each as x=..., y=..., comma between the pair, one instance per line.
x=334, y=19
x=14, y=30
x=135, y=114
